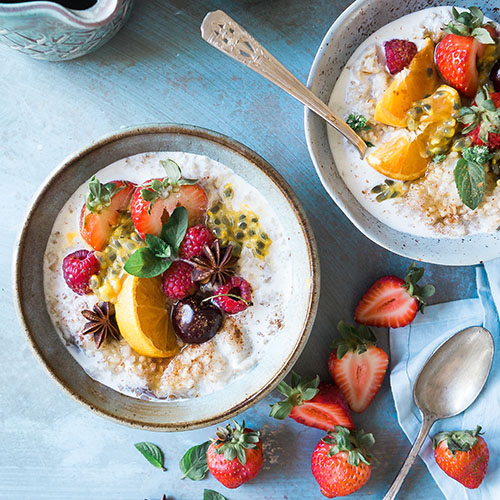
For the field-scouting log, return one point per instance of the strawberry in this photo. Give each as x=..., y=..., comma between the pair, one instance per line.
x=340, y=463
x=457, y=53
x=313, y=403
x=482, y=119
x=463, y=455
x=456, y=60
x=357, y=365
x=235, y=456
x=153, y=202
x=398, y=54
x=101, y=210
x=393, y=302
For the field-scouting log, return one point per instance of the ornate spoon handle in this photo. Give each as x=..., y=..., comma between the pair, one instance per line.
x=219, y=30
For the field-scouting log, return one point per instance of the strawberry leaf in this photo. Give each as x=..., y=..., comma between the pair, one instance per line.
x=151, y=453
x=412, y=277
x=353, y=339
x=193, y=464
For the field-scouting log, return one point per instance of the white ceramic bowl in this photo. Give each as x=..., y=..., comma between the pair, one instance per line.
x=354, y=25
x=282, y=350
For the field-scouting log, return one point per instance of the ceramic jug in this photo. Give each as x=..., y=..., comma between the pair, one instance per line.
x=49, y=30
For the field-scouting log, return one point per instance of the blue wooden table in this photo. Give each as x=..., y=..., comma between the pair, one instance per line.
x=158, y=69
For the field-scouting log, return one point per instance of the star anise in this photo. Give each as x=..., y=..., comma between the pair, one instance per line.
x=101, y=323
x=215, y=265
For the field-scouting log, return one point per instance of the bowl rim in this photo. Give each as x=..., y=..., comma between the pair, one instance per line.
x=278, y=181
x=379, y=232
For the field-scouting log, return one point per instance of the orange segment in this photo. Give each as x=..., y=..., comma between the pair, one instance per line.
x=407, y=87
x=143, y=318
x=399, y=158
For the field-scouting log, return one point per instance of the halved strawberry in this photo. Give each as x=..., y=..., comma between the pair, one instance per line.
x=393, y=302
x=456, y=58
x=457, y=53
x=357, y=365
x=101, y=211
x=312, y=403
x=153, y=202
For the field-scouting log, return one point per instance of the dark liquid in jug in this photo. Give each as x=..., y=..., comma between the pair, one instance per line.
x=70, y=4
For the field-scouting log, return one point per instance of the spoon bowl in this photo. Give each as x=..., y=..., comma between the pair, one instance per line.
x=455, y=374
x=448, y=384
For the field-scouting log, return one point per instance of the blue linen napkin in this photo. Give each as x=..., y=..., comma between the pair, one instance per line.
x=410, y=348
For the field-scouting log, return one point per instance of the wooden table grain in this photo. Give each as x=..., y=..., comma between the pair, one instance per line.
x=158, y=69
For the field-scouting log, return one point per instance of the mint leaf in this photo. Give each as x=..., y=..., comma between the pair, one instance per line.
x=144, y=264
x=158, y=246
x=175, y=228
x=357, y=122
x=212, y=495
x=470, y=180
x=438, y=158
x=151, y=453
x=193, y=464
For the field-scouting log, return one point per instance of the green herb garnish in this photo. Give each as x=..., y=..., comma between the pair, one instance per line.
x=151, y=453
x=158, y=255
x=193, y=464
x=212, y=495
x=357, y=122
x=438, y=158
x=470, y=177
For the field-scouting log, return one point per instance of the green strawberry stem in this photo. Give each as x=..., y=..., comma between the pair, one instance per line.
x=296, y=393
x=457, y=440
x=234, y=439
x=355, y=444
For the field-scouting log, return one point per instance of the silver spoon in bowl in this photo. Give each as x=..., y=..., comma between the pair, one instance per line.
x=448, y=384
x=226, y=35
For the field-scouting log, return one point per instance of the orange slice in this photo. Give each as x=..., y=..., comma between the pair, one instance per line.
x=143, y=318
x=399, y=158
x=407, y=87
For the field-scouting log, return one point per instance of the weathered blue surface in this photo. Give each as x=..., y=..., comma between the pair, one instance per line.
x=158, y=69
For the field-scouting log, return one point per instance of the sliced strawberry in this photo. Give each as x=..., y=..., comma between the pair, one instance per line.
x=101, y=211
x=357, y=366
x=456, y=58
x=398, y=54
x=312, y=403
x=153, y=202
x=393, y=302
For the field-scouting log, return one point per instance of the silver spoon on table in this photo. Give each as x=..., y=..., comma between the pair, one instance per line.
x=225, y=34
x=448, y=384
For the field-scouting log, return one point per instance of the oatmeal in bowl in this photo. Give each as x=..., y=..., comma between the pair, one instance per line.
x=424, y=92
x=176, y=290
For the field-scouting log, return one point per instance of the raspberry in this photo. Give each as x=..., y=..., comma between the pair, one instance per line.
x=398, y=54
x=77, y=269
x=235, y=286
x=194, y=241
x=176, y=281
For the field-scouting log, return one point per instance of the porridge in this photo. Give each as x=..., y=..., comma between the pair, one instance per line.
x=181, y=270
x=433, y=127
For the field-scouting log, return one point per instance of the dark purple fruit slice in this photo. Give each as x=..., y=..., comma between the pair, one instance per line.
x=194, y=322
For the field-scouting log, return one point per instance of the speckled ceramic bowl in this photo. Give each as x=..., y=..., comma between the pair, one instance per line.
x=354, y=25
x=46, y=343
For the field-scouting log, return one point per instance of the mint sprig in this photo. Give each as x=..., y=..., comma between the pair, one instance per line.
x=470, y=177
x=158, y=255
x=193, y=463
x=213, y=495
x=151, y=453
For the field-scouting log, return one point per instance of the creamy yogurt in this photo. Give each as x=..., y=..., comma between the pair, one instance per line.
x=197, y=369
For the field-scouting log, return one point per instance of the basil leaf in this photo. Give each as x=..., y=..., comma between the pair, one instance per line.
x=212, y=495
x=175, y=228
x=158, y=246
x=172, y=170
x=144, y=264
x=470, y=180
x=193, y=464
x=151, y=453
